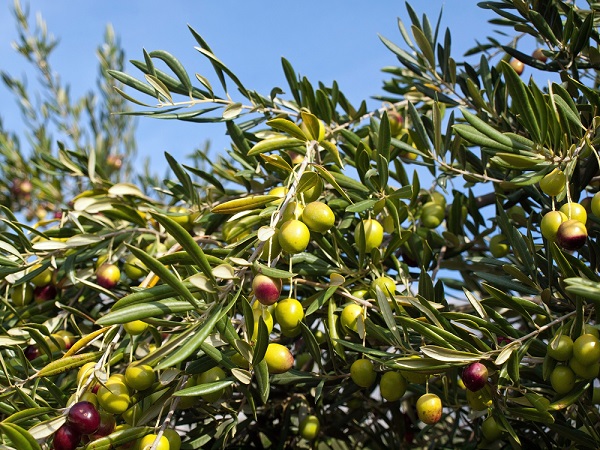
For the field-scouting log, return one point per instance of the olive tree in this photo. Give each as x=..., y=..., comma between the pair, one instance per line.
x=424, y=274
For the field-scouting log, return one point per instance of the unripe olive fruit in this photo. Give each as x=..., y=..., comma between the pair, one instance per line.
x=116, y=378
x=107, y=275
x=318, y=217
x=271, y=247
x=499, y=246
x=553, y=183
x=479, y=400
x=475, y=376
x=388, y=224
x=396, y=122
x=571, y=235
x=295, y=157
x=55, y=342
x=313, y=193
x=85, y=372
x=385, y=284
x=135, y=327
x=294, y=236
x=438, y=198
x=562, y=379
x=550, y=224
x=43, y=278
x=134, y=268
x=173, y=438
x=67, y=337
x=590, y=329
x=586, y=349
x=267, y=318
x=538, y=54
x=517, y=65
x=114, y=397
x=133, y=414
x=429, y=409
x=147, y=441
x=289, y=313
x=291, y=332
x=586, y=371
x=278, y=357
x=574, y=211
x=210, y=376
x=266, y=289
x=392, y=386
x=87, y=396
x=363, y=373
x=596, y=395
x=490, y=429
x=596, y=204
x=309, y=427
x=183, y=216
x=22, y=294
x=293, y=210
x=139, y=376
x=350, y=317
x=432, y=214
x=373, y=232
x=279, y=191
x=560, y=348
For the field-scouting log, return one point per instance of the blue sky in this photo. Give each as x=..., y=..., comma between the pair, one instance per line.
x=324, y=41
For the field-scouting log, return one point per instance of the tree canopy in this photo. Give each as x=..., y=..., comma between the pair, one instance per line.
x=421, y=275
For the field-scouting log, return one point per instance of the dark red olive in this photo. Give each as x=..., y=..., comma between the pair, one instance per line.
x=84, y=417
x=475, y=376
x=66, y=438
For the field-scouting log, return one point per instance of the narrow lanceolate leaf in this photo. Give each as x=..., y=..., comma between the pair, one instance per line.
x=447, y=355
x=424, y=45
x=164, y=274
x=276, y=143
x=243, y=204
x=388, y=317
x=585, y=288
x=476, y=304
x=202, y=389
x=486, y=129
x=187, y=242
x=140, y=311
x=475, y=137
x=84, y=341
x=65, y=364
x=219, y=65
x=313, y=125
x=531, y=414
x=327, y=176
x=159, y=86
x=261, y=372
x=232, y=111
x=194, y=343
x=287, y=126
x=272, y=271
x=29, y=413
x=117, y=438
x=513, y=161
x=131, y=82
x=19, y=437
x=521, y=104
x=175, y=66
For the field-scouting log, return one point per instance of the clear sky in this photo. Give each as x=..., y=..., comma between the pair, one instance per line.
x=323, y=40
